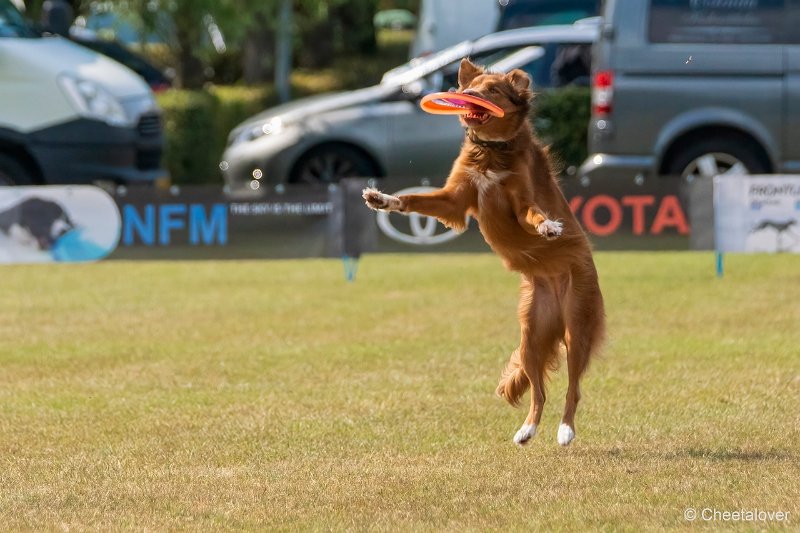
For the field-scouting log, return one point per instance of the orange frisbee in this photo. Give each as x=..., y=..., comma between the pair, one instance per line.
x=457, y=104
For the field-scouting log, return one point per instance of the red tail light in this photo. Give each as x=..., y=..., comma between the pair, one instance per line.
x=602, y=92
x=159, y=87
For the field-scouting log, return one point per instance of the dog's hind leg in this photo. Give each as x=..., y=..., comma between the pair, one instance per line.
x=585, y=321
x=542, y=329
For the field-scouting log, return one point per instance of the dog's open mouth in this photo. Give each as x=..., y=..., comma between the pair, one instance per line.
x=476, y=115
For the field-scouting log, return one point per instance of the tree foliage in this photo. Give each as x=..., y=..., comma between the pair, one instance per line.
x=322, y=30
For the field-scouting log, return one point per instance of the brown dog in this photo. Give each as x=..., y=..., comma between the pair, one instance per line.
x=503, y=178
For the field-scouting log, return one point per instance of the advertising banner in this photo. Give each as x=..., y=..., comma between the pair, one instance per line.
x=84, y=223
x=57, y=224
x=757, y=213
x=616, y=214
x=206, y=223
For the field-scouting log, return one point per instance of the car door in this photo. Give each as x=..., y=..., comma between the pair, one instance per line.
x=422, y=145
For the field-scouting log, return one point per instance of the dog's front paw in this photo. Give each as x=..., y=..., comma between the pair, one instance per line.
x=378, y=201
x=550, y=229
x=565, y=434
x=525, y=433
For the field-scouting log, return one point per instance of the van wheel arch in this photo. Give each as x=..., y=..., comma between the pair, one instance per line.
x=738, y=143
x=18, y=166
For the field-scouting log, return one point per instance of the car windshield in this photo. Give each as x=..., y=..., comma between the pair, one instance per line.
x=422, y=66
x=514, y=60
x=12, y=23
x=440, y=71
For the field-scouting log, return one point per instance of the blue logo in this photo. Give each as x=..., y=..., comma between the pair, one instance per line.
x=157, y=224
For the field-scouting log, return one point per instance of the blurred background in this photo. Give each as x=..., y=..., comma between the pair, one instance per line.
x=215, y=65
x=265, y=100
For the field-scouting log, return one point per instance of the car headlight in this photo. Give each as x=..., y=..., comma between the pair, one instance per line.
x=251, y=133
x=91, y=100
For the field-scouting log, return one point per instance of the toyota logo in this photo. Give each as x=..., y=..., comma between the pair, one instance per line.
x=423, y=229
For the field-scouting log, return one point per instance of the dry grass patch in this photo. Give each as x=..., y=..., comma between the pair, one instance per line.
x=252, y=395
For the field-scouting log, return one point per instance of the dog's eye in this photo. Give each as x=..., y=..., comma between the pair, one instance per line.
x=494, y=90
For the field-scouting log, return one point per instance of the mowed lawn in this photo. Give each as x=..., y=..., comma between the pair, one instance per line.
x=273, y=395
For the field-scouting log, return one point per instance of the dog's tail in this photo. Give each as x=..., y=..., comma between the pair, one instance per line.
x=513, y=382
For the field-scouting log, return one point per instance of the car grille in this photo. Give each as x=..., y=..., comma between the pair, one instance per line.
x=148, y=159
x=149, y=125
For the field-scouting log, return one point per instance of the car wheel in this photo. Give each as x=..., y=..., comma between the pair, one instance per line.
x=329, y=164
x=714, y=157
x=12, y=172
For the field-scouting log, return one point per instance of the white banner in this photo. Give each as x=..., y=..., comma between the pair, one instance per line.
x=52, y=223
x=757, y=213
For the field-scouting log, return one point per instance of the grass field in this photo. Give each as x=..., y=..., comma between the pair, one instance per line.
x=273, y=395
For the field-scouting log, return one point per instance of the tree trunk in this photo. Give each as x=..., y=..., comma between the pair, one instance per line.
x=189, y=73
x=258, y=51
x=283, y=52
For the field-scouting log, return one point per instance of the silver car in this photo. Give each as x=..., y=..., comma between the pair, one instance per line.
x=381, y=131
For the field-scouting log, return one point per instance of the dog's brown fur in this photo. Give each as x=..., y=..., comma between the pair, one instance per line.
x=503, y=178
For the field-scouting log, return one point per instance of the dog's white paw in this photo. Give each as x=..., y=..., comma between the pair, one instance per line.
x=550, y=229
x=378, y=201
x=565, y=435
x=525, y=433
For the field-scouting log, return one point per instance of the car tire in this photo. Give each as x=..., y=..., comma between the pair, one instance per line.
x=329, y=164
x=711, y=157
x=12, y=172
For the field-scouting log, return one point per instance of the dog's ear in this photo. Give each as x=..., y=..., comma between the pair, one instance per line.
x=519, y=79
x=467, y=72
x=521, y=83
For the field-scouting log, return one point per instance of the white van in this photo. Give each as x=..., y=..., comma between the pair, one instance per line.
x=443, y=23
x=70, y=115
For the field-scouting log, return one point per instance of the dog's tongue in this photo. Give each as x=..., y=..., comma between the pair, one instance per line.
x=473, y=107
x=458, y=101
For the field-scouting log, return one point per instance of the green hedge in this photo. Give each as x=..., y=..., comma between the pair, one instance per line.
x=197, y=123
x=196, y=126
x=561, y=119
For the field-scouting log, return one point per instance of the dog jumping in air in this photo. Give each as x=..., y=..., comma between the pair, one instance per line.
x=503, y=178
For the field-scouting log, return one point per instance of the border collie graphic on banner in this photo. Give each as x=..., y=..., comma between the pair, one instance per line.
x=57, y=224
x=757, y=213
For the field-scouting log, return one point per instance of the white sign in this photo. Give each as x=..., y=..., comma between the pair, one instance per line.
x=52, y=223
x=422, y=230
x=757, y=213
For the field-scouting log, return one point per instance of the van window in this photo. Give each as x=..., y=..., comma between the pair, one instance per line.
x=526, y=13
x=720, y=21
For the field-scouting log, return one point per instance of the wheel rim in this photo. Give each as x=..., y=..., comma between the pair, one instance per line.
x=714, y=164
x=327, y=167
